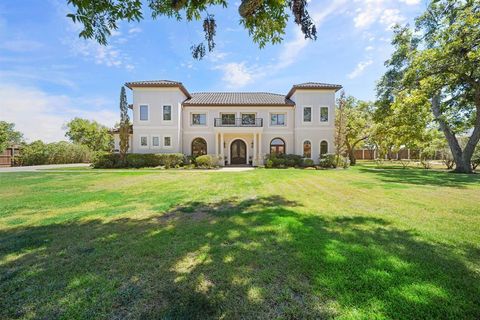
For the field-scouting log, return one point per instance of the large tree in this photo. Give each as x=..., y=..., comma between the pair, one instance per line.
x=8, y=135
x=124, y=127
x=89, y=133
x=438, y=74
x=265, y=20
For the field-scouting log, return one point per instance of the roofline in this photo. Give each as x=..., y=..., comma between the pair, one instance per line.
x=131, y=85
x=186, y=104
x=295, y=88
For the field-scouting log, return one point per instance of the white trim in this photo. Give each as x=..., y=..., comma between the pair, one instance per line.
x=322, y=123
x=303, y=115
x=140, y=141
x=163, y=142
x=269, y=120
x=152, y=145
x=140, y=112
x=303, y=149
x=163, y=114
x=229, y=148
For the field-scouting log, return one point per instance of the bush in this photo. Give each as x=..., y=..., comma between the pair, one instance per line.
x=38, y=153
x=327, y=161
x=105, y=160
x=171, y=160
x=308, y=163
x=138, y=160
x=207, y=161
x=282, y=160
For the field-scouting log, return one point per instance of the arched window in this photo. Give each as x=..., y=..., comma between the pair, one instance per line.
x=199, y=147
x=277, y=146
x=323, y=148
x=307, y=149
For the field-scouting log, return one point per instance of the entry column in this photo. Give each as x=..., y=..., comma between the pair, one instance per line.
x=222, y=150
x=255, y=155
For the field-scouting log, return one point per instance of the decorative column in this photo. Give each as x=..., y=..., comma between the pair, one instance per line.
x=222, y=150
x=260, y=156
x=255, y=155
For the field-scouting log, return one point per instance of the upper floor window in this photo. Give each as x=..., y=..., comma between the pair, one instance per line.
x=324, y=114
x=307, y=114
x=277, y=119
x=307, y=149
x=199, y=119
x=167, y=113
x=228, y=119
x=143, y=113
x=248, y=119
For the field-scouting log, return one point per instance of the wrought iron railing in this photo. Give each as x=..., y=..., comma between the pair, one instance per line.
x=239, y=122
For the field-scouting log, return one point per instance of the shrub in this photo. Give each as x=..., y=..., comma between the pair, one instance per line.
x=344, y=162
x=307, y=163
x=269, y=163
x=327, y=161
x=138, y=160
x=171, y=160
x=282, y=160
x=105, y=160
x=207, y=161
x=38, y=153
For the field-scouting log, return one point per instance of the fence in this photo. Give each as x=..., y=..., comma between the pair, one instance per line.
x=368, y=154
x=6, y=157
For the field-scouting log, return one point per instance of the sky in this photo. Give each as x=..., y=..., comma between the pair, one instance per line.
x=48, y=75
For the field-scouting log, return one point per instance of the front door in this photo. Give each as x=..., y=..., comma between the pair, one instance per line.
x=238, y=152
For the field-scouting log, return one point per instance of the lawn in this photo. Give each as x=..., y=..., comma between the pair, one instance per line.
x=363, y=243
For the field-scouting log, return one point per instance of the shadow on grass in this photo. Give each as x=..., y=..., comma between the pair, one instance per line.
x=422, y=176
x=257, y=258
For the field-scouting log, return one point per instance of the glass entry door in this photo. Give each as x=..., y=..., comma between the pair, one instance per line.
x=238, y=152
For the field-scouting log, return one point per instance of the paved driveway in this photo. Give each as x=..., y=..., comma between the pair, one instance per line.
x=43, y=167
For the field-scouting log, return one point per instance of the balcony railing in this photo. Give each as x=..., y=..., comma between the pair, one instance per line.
x=239, y=122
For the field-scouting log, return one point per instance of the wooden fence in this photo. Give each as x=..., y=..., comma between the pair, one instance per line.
x=6, y=157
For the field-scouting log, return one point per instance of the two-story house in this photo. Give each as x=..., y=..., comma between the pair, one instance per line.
x=240, y=127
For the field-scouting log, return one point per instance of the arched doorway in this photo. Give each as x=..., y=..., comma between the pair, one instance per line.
x=238, y=152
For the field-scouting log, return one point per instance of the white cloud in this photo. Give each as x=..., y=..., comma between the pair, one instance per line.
x=369, y=48
x=384, y=12
x=410, y=2
x=21, y=45
x=236, y=74
x=134, y=30
x=40, y=115
x=359, y=68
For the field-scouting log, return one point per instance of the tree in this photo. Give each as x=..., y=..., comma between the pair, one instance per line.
x=89, y=133
x=265, y=20
x=124, y=124
x=440, y=75
x=8, y=135
x=356, y=115
x=340, y=127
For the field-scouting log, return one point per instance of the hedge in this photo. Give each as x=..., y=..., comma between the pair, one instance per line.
x=138, y=160
x=38, y=153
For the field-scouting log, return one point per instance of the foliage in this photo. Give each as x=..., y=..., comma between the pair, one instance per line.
x=38, y=153
x=434, y=74
x=307, y=163
x=283, y=160
x=89, y=133
x=124, y=127
x=138, y=160
x=107, y=160
x=328, y=161
x=265, y=20
x=8, y=135
x=353, y=125
x=207, y=161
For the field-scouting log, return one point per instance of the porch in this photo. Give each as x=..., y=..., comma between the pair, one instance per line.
x=238, y=147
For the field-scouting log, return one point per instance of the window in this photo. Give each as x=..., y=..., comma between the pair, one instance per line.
x=324, y=114
x=307, y=114
x=144, y=141
x=277, y=119
x=167, y=141
x=307, y=149
x=199, y=119
x=277, y=146
x=155, y=142
x=228, y=119
x=167, y=113
x=248, y=119
x=323, y=148
x=143, y=113
x=199, y=147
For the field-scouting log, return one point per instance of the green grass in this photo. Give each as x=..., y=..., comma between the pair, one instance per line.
x=363, y=243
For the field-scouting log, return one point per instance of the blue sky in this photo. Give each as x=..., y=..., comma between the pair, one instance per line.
x=48, y=75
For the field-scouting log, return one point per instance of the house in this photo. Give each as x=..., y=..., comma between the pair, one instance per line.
x=240, y=127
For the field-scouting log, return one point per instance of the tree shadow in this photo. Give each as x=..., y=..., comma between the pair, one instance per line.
x=254, y=258
x=423, y=177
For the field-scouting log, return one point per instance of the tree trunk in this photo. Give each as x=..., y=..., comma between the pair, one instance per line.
x=461, y=157
x=351, y=153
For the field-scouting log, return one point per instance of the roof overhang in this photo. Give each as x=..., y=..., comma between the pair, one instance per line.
x=132, y=85
x=295, y=88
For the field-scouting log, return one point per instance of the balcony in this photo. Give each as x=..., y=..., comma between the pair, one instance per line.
x=239, y=122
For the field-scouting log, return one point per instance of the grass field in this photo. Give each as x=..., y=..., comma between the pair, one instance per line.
x=363, y=243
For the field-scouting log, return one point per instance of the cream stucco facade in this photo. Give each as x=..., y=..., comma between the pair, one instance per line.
x=239, y=127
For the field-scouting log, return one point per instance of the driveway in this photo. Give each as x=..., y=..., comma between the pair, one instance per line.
x=43, y=167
